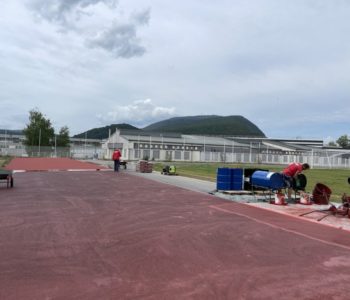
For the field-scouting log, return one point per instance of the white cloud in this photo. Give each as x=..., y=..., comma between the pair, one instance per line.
x=121, y=38
x=65, y=12
x=89, y=20
x=140, y=113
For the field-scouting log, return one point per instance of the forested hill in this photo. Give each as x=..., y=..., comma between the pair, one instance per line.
x=209, y=125
x=200, y=125
x=103, y=132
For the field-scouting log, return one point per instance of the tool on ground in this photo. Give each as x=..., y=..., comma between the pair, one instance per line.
x=169, y=170
x=7, y=176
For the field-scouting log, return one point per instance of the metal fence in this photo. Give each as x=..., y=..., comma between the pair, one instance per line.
x=324, y=159
x=80, y=152
x=316, y=158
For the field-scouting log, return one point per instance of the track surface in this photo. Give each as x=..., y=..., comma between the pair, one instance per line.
x=102, y=235
x=45, y=164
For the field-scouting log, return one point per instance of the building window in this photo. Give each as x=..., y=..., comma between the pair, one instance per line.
x=146, y=154
x=177, y=154
x=156, y=154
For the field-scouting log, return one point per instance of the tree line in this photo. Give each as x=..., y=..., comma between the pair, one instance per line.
x=40, y=132
x=343, y=141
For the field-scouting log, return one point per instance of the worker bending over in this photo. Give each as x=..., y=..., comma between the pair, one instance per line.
x=291, y=173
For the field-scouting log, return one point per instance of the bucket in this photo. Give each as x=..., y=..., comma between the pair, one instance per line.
x=268, y=180
x=223, y=179
x=321, y=194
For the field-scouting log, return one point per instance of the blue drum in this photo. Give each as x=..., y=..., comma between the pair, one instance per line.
x=268, y=180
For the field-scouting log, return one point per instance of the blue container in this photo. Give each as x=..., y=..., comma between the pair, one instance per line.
x=223, y=179
x=268, y=180
x=237, y=179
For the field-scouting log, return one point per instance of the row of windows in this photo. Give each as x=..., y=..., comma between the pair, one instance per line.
x=161, y=146
x=156, y=154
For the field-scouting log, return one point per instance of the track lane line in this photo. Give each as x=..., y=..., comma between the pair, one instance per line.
x=278, y=227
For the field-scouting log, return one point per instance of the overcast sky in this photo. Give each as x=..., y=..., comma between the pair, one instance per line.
x=282, y=64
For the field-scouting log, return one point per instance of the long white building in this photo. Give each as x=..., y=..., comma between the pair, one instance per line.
x=136, y=145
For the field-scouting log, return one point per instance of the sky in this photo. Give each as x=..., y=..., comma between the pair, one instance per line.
x=284, y=65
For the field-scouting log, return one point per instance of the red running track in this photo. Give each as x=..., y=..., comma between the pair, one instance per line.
x=102, y=235
x=47, y=164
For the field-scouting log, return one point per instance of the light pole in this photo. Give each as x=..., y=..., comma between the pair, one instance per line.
x=39, y=140
x=55, y=145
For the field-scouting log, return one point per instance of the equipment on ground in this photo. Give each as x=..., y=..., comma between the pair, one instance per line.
x=321, y=194
x=6, y=175
x=169, y=170
x=123, y=163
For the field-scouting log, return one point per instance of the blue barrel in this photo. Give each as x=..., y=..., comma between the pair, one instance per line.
x=268, y=180
x=223, y=179
x=237, y=179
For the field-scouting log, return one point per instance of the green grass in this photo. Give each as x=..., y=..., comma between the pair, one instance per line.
x=335, y=179
x=4, y=160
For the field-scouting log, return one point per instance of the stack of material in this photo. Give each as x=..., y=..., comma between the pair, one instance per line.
x=144, y=166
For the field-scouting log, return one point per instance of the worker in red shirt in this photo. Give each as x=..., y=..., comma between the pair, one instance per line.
x=291, y=172
x=116, y=158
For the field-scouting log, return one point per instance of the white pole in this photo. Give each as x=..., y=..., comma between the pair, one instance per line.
x=184, y=145
x=55, y=145
x=85, y=142
x=6, y=141
x=204, y=149
x=138, y=141
x=250, y=152
x=224, y=150
x=233, y=149
x=39, y=139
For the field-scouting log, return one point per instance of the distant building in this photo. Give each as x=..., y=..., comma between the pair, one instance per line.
x=136, y=145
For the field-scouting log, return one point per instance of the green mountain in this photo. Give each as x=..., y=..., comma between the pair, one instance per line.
x=208, y=125
x=200, y=125
x=103, y=132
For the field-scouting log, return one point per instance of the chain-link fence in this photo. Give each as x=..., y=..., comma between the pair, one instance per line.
x=80, y=152
x=317, y=158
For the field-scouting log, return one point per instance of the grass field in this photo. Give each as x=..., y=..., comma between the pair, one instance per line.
x=4, y=160
x=335, y=179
